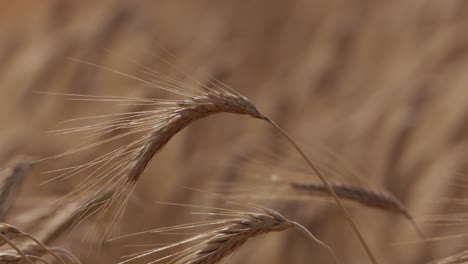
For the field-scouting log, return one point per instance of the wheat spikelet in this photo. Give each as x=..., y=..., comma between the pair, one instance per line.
x=222, y=241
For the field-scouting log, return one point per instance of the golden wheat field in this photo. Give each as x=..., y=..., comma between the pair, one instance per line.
x=268, y=131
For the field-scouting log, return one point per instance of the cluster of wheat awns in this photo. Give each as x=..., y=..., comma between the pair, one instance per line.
x=119, y=170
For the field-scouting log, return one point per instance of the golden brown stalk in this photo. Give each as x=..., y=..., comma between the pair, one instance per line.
x=329, y=189
x=12, y=179
x=218, y=244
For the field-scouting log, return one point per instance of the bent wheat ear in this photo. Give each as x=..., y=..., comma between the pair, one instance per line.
x=222, y=241
x=187, y=112
x=159, y=126
x=121, y=169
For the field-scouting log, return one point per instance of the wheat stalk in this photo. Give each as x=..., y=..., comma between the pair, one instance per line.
x=121, y=169
x=222, y=241
x=12, y=179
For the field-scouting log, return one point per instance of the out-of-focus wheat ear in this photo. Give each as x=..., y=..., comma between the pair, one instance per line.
x=7, y=233
x=364, y=196
x=358, y=194
x=272, y=175
x=12, y=179
x=328, y=186
x=11, y=258
x=458, y=258
x=36, y=252
x=55, y=221
x=49, y=224
x=10, y=232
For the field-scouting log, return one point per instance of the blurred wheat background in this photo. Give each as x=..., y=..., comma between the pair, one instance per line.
x=380, y=86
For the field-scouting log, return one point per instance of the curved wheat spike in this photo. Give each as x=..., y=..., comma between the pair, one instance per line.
x=224, y=239
x=122, y=168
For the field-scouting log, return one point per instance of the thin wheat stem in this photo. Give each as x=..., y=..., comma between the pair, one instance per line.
x=328, y=186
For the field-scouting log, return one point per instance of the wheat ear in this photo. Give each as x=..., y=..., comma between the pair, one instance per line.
x=160, y=126
x=229, y=234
